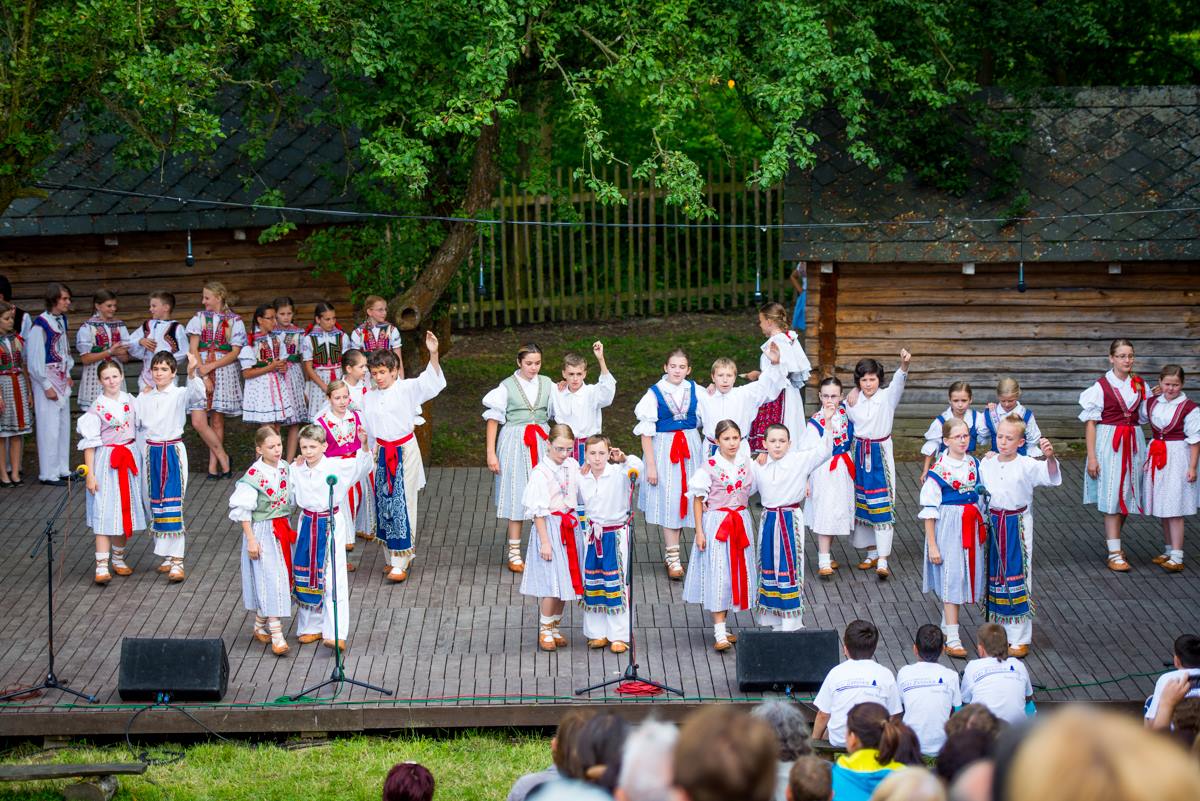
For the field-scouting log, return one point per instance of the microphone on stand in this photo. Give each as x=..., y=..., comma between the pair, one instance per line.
x=331, y=480
x=79, y=472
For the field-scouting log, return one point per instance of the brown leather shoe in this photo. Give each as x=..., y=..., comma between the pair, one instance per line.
x=559, y=639
x=675, y=572
x=165, y=567
x=1172, y=567
x=731, y=636
x=305, y=639
x=618, y=647
x=1019, y=651
x=1117, y=562
x=397, y=576
x=868, y=564
x=1158, y=560
x=349, y=547
x=834, y=564
x=176, y=573
x=546, y=640
x=516, y=567
x=883, y=573
x=722, y=645
x=262, y=636
x=599, y=642
x=955, y=651
x=122, y=570
x=341, y=644
x=279, y=649
x=825, y=572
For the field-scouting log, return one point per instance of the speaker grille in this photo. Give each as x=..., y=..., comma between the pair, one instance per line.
x=768, y=660
x=185, y=670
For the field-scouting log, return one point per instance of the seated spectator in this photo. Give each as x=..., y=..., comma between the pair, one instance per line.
x=857, y=680
x=928, y=690
x=974, y=782
x=724, y=754
x=810, y=780
x=598, y=748
x=977, y=717
x=560, y=748
x=792, y=730
x=872, y=738
x=408, y=781
x=910, y=784
x=998, y=681
x=568, y=790
x=1185, y=723
x=962, y=749
x=646, y=763
x=1187, y=664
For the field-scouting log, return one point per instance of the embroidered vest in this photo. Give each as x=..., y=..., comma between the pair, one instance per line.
x=105, y=334
x=52, y=338
x=12, y=354
x=843, y=441
x=1115, y=412
x=338, y=447
x=1173, y=432
x=375, y=337
x=971, y=421
x=216, y=331
x=521, y=410
x=1026, y=416
x=671, y=420
x=327, y=353
x=954, y=491
x=272, y=499
x=171, y=337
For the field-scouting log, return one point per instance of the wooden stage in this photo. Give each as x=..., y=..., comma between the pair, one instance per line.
x=457, y=641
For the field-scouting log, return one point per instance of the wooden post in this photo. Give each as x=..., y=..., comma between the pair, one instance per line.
x=828, y=323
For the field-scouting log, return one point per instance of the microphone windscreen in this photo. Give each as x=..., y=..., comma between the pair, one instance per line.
x=331, y=480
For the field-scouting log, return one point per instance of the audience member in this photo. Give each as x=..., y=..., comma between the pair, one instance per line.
x=792, y=730
x=977, y=717
x=810, y=780
x=928, y=690
x=857, y=680
x=974, y=782
x=910, y=784
x=998, y=681
x=1187, y=666
x=560, y=748
x=646, y=763
x=872, y=738
x=960, y=750
x=408, y=781
x=598, y=748
x=723, y=754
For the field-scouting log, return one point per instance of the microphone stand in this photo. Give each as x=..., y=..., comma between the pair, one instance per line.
x=990, y=533
x=52, y=681
x=338, y=676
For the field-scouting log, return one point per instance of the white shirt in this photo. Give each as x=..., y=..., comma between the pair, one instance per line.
x=552, y=488
x=495, y=403
x=960, y=470
x=933, y=434
x=783, y=481
x=85, y=337
x=162, y=413
x=1000, y=686
x=1011, y=483
x=390, y=414
x=701, y=480
x=581, y=409
x=930, y=693
x=792, y=358
x=853, y=682
x=358, y=393
x=119, y=414
x=1161, y=684
x=606, y=496
x=1164, y=411
x=157, y=330
x=873, y=416
x=310, y=490
x=35, y=353
x=676, y=395
x=739, y=404
x=244, y=500
x=1032, y=432
x=1092, y=398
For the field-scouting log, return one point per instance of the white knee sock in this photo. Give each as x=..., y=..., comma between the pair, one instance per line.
x=1176, y=556
x=873, y=553
x=1114, y=545
x=824, y=560
x=952, y=634
x=719, y=632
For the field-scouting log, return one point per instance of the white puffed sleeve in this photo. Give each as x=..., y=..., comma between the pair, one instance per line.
x=88, y=427
x=646, y=412
x=605, y=390
x=1191, y=427
x=933, y=439
x=85, y=339
x=196, y=391
x=306, y=348
x=536, y=498
x=242, y=502
x=247, y=357
x=237, y=333
x=981, y=427
x=126, y=339
x=699, y=483
x=495, y=405
x=1092, y=401
x=195, y=325
x=931, y=499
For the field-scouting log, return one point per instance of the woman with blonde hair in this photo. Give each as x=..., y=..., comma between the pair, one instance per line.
x=910, y=784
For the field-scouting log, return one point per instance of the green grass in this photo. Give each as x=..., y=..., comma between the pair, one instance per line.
x=472, y=766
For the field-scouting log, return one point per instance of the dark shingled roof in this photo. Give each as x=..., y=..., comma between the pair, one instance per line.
x=305, y=162
x=1089, y=150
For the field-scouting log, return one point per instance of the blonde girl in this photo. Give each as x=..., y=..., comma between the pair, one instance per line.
x=215, y=337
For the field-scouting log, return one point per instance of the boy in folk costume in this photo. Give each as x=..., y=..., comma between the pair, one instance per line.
x=375, y=333
x=345, y=436
x=114, y=499
x=159, y=333
x=872, y=408
x=787, y=408
x=579, y=405
x=829, y=511
x=724, y=401
x=322, y=348
x=1171, y=489
x=390, y=415
x=216, y=337
x=262, y=503
x=781, y=478
x=1011, y=478
x=49, y=362
x=161, y=414
x=606, y=491
x=1116, y=448
x=102, y=337
x=16, y=401
x=1008, y=403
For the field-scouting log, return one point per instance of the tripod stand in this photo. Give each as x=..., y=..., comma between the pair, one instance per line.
x=338, y=676
x=51, y=682
x=638, y=683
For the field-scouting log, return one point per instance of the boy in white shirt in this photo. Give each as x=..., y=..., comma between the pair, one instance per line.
x=1187, y=663
x=929, y=690
x=857, y=680
x=157, y=334
x=577, y=404
x=996, y=680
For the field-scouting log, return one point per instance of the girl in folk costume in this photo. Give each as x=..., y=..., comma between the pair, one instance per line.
x=781, y=478
x=606, y=484
x=960, y=408
x=216, y=337
x=722, y=574
x=103, y=337
x=390, y=414
x=345, y=436
x=262, y=503
x=872, y=408
x=1011, y=479
x=671, y=448
x=268, y=395
x=788, y=406
x=724, y=401
x=580, y=405
x=323, y=346
x=158, y=333
x=16, y=405
x=290, y=336
x=1008, y=403
x=161, y=414
x=1171, y=490
x=553, y=573
x=114, y=499
x=49, y=364
x=355, y=377
x=829, y=511
x=375, y=332
x=317, y=552
x=1116, y=448
x=517, y=414
x=954, y=531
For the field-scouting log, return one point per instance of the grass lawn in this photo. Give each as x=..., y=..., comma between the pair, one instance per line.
x=473, y=766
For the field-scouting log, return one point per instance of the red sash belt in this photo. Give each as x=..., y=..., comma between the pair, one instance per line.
x=866, y=450
x=598, y=539
x=844, y=458
x=391, y=455
x=680, y=453
x=17, y=397
x=1125, y=443
x=733, y=532
x=286, y=536
x=121, y=459
x=532, y=432
x=973, y=534
x=567, y=523
x=787, y=552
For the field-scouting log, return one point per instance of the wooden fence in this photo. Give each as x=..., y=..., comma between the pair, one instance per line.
x=640, y=258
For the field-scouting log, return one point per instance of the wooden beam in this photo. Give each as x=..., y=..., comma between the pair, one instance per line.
x=827, y=324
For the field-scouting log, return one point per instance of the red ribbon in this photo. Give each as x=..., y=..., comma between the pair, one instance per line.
x=1156, y=457
x=680, y=453
x=567, y=523
x=121, y=459
x=733, y=531
x=1125, y=444
x=972, y=536
x=844, y=458
x=391, y=455
x=532, y=432
x=286, y=536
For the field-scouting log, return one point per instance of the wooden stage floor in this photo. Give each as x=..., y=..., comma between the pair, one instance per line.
x=457, y=640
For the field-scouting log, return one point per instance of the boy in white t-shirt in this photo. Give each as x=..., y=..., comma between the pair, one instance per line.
x=1187, y=663
x=996, y=680
x=857, y=680
x=929, y=690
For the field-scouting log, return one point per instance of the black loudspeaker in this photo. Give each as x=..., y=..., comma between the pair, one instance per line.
x=182, y=670
x=771, y=660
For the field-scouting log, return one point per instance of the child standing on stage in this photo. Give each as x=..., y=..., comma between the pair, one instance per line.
x=671, y=448
x=390, y=415
x=161, y=414
x=345, y=436
x=157, y=334
x=788, y=406
x=552, y=572
x=317, y=554
x=1170, y=481
x=355, y=377
x=268, y=395
x=605, y=490
x=872, y=408
x=290, y=336
x=724, y=401
x=954, y=532
x=322, y=349
x=262, y=503
x=722, y=573
x=114, y=499
x=101, y=338
x=1008, y=403
x=829, y=511
x=517, y=414
x=960, y=407
x=781, y=478
x=216, y=337
x=16, y=409
x=375, y=332
x=1011, y=478
x=579, y=405
x=49, y=363
x=1116, y=448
